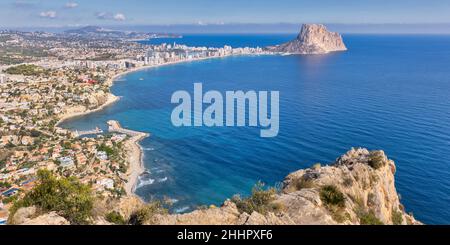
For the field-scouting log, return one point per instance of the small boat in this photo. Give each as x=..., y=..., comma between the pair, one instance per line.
x=141, y=79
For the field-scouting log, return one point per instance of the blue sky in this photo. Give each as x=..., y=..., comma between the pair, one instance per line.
x=19, y=13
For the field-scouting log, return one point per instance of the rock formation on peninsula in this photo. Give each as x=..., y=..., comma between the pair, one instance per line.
x=313, y=39
x=358, y=188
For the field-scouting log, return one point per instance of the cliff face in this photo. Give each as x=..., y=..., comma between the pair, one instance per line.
x=358, y=188
x=365, y=180
x=313, y=39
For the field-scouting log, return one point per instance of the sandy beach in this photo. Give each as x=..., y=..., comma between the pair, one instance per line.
x=134, y=152
x=135, y=156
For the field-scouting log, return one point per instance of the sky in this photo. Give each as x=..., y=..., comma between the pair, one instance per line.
x=72, y=13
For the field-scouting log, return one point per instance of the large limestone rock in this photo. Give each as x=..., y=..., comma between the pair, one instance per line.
x=30, y=216
x=313, y=39
x=368, y=188
x=47, y=219
x=228, y=214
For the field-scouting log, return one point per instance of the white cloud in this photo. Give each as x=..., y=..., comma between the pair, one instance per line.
x=48, y=14
x=102, y=15
x=110, y=16
x=119, y=17
x=71, y=5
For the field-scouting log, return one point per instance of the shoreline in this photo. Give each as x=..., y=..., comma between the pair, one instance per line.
x=110, y=82
x=134, y=151
x=67, y=116
x=134, y=154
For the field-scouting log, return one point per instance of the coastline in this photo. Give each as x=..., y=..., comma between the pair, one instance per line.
x=134, y=151
x=109, y=101
x=135, y=155
x=110, y=82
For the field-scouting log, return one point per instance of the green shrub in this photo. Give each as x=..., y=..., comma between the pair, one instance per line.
x=66, y=196
x=11, y=199
x=259, y=201
x=397, y=217
x=115, y=218
x=348, y=181
x=146, y=214
x=376, y=159
x=303, y=183
x=331, y=196
x=369, y=218
x=5, y=185
x=109, y=151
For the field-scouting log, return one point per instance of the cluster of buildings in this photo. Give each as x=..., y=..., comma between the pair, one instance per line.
x=77, y=79
x=30, y=107
x=166, y=53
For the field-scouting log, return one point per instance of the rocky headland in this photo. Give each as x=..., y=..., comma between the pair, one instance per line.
x=313, y=39
x=358, y=188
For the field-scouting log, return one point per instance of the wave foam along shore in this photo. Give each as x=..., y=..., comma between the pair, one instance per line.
x=135, y=154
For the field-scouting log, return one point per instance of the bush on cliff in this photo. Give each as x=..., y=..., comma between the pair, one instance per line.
x=66, y=196
x=303, y=183
x=397, y=217
x=260, y=201
x=376, y=159
x=334, y=201
x=369, y=218
x=115, y=218
x=331, y=196
x=147, y=214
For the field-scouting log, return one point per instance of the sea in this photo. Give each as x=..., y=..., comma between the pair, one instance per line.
x=389, y=92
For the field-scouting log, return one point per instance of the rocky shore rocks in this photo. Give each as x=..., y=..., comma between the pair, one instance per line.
x=313, y=39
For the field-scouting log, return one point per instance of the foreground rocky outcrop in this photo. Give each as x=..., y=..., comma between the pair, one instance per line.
x=365, y=180
x=358, y=188
x=31, y=216
x=313, y=39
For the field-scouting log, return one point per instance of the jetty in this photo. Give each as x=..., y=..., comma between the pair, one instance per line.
x=97, y=130
x=115, y=127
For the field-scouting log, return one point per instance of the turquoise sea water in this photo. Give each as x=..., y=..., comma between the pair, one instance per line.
x=387, y=92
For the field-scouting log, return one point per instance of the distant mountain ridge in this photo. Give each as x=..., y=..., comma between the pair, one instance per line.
x=88, y=29
x=100, y=32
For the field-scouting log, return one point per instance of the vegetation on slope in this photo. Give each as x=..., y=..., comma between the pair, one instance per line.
x=66, y=196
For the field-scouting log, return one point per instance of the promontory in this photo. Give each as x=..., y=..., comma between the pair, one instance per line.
x=313, y=39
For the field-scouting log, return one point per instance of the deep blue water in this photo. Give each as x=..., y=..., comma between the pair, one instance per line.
x=386, y=92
